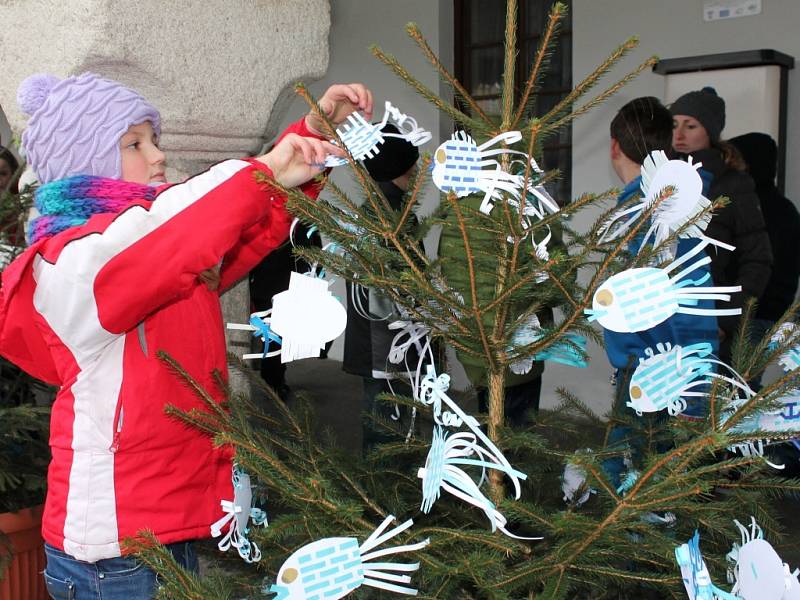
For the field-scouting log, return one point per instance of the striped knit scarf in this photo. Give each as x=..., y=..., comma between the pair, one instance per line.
x=68, y=202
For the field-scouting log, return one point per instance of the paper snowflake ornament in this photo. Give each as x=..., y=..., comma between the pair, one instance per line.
x=306, y=317
x=529, y=331
x=684, y=204
x=696, y=578
x=459, y=167
x=443, y=472
x=331, y=568
x=669, y=374
x=363, y=139
x=756, y=570
x=641, y=298
x=238, y=514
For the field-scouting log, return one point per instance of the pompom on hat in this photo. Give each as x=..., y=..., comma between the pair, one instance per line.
x=76, y=124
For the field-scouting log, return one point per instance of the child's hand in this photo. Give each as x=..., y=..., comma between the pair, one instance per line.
x=338, y=102
x=296, y=159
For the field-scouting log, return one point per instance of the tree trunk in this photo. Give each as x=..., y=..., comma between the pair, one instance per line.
x=496, y=403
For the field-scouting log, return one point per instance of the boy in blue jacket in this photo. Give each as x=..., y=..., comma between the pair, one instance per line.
x=640, y=127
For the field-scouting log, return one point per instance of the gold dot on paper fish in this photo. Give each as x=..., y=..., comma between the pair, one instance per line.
x=636, y=392
x=289, y=575
x=441, y=155
x=605, y=298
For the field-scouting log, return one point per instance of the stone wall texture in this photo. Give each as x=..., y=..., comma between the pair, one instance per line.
x=219, y=71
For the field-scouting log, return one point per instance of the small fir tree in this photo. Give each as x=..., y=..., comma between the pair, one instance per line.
x=609, y=547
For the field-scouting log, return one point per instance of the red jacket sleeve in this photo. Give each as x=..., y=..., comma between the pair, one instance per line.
x=148, y=257
x=266, y=235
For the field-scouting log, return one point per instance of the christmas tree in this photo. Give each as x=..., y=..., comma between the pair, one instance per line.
x=518, y=537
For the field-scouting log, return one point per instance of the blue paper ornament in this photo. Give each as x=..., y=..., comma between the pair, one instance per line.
x=571, y=352
x=670, y=373
x=756, y=570
x=696, y=578
x=238, y=512
x=641, y=298
x=363, y=139
x=331, y=568
x=458, y=166
x=442, y=471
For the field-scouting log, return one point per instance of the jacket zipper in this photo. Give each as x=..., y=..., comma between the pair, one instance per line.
x=118, y=431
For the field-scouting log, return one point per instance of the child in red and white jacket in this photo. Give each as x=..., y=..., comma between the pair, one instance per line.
x=121, y=266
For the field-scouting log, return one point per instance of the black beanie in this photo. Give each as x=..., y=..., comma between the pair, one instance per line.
x=396, y=156
x=705, y=106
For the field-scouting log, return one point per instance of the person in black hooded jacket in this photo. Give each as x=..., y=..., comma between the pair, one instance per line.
x=698, y=120
x=760, y=152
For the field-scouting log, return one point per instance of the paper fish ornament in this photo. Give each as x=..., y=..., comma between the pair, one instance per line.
x=442, y=471
x=756, y=570
x=696, y=578
x=529, y=331
x=686, y=202
x=331, y=568
x=670, y=373
x=238, y=512
x=306, y=317
x=363, y=139
x=458, y=166
x=641, y=298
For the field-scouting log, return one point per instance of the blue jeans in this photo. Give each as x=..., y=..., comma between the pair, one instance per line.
x=122, y=578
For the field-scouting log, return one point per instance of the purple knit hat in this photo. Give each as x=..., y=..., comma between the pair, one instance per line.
x=76, y=124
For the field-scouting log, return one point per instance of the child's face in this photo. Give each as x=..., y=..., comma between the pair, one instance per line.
x=142, y=160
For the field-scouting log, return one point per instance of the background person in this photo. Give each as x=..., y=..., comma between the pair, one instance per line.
x=698, y=121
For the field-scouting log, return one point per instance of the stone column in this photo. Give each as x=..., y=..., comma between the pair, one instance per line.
x=220, y=71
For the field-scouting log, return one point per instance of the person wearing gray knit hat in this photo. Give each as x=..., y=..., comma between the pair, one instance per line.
x=698, y=119
x=702, y=107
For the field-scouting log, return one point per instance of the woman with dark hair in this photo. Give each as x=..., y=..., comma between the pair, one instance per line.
x=698, y=120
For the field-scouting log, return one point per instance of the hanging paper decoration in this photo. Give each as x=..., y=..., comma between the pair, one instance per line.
x=694, y=572
x=639, y=299
x=789, y=359
x=784, y=419
x=569, y=350
x=331, y=568
x=756, y=570
x=684, y=204
x=363, y=139
x=260, y=326
x=458, y=166
x=574, y=480
x=306, y=316
x=409, y=335
x=237, y=514
x=671, y=373
x=442, y=472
